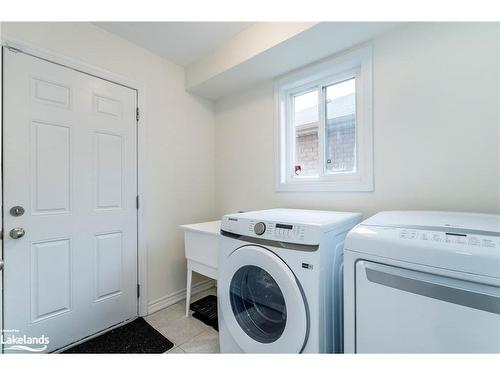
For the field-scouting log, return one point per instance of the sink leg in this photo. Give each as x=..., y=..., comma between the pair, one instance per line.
x=188, y=289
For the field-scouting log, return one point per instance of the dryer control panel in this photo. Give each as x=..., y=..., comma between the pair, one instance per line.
x=454, y=238
x=457, y=249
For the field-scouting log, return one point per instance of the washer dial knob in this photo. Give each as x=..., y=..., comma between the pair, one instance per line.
x=259, y=228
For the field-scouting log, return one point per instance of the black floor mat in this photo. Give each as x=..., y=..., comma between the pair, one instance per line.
x=205, y=310
x=134, y=337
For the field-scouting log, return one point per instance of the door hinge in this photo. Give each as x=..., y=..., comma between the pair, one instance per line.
x=137, y=114
x=138, y=290
x=137, y=202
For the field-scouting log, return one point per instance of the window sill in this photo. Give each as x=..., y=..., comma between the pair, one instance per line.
x=315, y=186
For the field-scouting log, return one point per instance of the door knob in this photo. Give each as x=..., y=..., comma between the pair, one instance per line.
x=17, y=211
x=16, y=233
x=1, y=264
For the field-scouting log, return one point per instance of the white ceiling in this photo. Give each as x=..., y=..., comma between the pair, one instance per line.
x=179, y=42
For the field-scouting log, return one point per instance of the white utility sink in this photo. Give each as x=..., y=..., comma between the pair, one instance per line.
x=201, y=247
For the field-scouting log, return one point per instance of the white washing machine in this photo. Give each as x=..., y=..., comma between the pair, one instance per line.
x=278, y=270
x=423, y=282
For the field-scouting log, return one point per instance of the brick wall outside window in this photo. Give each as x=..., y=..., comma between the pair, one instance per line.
x=340, y=148
x=306, y=154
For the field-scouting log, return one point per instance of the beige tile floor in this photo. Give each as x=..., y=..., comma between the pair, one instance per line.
x=188, y=334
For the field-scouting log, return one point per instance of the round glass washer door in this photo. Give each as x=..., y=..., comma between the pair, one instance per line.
x=262, y=304
x=258, y=304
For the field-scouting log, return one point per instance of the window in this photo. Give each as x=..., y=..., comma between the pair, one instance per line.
x=324, y=126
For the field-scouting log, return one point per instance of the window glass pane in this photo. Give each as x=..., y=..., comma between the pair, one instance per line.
x=305, y=121
x=340, y=134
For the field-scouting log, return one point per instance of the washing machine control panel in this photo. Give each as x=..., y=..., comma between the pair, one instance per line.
x=274, y=231
x=277, y=231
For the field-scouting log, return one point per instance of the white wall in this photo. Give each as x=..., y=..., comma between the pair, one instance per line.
x=436, y=129
x=179, y=160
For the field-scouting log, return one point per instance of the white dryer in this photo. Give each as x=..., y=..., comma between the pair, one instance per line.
x=423, y=282
x=278, y=270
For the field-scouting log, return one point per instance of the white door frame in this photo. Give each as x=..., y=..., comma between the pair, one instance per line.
x=83, y=67
x=1, y=199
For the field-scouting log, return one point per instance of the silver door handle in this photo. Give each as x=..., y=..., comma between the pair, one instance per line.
x=464, y=297
x=16, y=233
x=1, y=264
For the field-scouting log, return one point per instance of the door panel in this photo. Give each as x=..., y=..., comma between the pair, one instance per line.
x=50, y=278
x=109, y=170
x=108, y=106
x=109, y=267
x=70, y=161
x=50, y=172
x=51, y=93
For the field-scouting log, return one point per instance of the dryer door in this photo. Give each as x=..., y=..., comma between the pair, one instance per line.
x=262, y=302
x=400, y=310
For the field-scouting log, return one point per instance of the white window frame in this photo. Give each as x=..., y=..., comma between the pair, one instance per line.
x=357, y=64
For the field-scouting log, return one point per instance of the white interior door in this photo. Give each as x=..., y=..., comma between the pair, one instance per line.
x=70, y=163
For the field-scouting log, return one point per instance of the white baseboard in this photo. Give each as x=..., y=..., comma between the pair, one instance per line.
x=175, y=297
